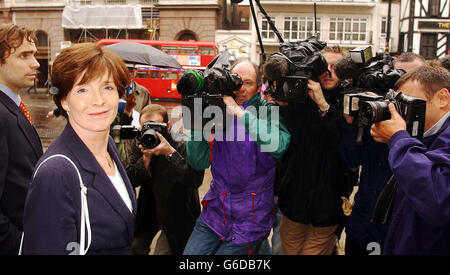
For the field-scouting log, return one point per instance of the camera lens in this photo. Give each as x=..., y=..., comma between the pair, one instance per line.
x=374, y=111
x=149, y=139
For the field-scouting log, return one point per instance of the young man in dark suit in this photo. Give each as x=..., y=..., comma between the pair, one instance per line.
x=20, y=146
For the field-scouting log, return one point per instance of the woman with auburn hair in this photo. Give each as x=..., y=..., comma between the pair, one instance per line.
x=59, y=219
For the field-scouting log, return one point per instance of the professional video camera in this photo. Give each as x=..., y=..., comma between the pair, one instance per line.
x=375, y=74
x=201, y=90
x=146, y=136
x=292, y=67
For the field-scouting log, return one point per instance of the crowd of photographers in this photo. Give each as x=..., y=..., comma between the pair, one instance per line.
x=284, y=161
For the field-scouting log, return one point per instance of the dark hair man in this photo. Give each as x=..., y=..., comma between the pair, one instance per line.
x=20, y=146
x=420, y=221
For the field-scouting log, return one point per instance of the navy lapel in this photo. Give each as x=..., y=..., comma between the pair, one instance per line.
x=99, y=180
x=28, y=130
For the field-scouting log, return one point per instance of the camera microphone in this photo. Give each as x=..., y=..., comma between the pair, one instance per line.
x=346, y=68
x=275, y=68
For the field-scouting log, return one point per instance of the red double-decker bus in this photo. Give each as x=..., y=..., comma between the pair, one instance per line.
x=162, y=82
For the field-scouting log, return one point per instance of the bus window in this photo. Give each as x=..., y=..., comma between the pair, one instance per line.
x=168, y=75
x=142, y=74
x=170, y=49
x=206, y=51
x=155, y=75
x=188, y=50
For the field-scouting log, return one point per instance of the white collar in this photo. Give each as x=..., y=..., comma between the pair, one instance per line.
x=437, y=126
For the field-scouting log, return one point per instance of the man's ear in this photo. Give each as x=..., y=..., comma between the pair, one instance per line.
x=443, y=97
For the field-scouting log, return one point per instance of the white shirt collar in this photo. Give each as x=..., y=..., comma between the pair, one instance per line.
x=436, y=127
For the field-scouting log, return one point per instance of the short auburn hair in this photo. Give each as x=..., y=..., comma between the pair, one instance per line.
x=89, y=61
x=12, y=37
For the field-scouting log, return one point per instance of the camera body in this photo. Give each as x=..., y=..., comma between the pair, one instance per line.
x=303, y=61
x=412, y=110
x=351, y=101
x=370, y=109
x=146, y=136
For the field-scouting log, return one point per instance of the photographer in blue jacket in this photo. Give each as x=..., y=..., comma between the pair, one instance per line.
x=420, y=221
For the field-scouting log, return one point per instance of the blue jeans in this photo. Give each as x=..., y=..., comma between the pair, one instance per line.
x=204, y=241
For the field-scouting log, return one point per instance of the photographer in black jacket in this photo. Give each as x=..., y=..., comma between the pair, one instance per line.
x=311, y=182
x=168, y=197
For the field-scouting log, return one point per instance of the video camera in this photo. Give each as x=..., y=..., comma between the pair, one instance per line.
x=201, y=90
x=292, y=67
x=375, y=74
x=146, y=136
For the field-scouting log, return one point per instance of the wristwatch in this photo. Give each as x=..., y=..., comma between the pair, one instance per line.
x=170, y=156
x=324, y=112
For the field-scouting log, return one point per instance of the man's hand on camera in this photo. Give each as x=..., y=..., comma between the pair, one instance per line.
x=316, y=94
x=163, y=148
x=146, y=155
x=232, y=107
x=383, y=130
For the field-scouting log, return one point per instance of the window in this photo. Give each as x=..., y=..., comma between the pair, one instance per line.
x=170, y=49
x=120, y=2
x=168, y=75
x=433, y=8
x=428, y=45
x=42, y=39
x=300, y=27
x=188, y=50
x=155, y=75
x=142, y=74
x=384, y=25
x=148, y=2
x=266, y=32
x=206, y=51
x=348, y=29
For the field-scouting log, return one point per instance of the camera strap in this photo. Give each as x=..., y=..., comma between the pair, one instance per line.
x=85, y=222
x=383, y=207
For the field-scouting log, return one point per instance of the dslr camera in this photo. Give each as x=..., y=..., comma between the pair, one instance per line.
x=200, y=90
x=370, y=109
x=146, y=136
x=292, y=67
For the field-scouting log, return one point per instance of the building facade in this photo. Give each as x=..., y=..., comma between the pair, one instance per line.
x=59, y=23
x=347, y=23
x=425, y=27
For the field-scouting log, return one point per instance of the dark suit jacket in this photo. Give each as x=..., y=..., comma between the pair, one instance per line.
x=53, y=206
x=20, y=149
